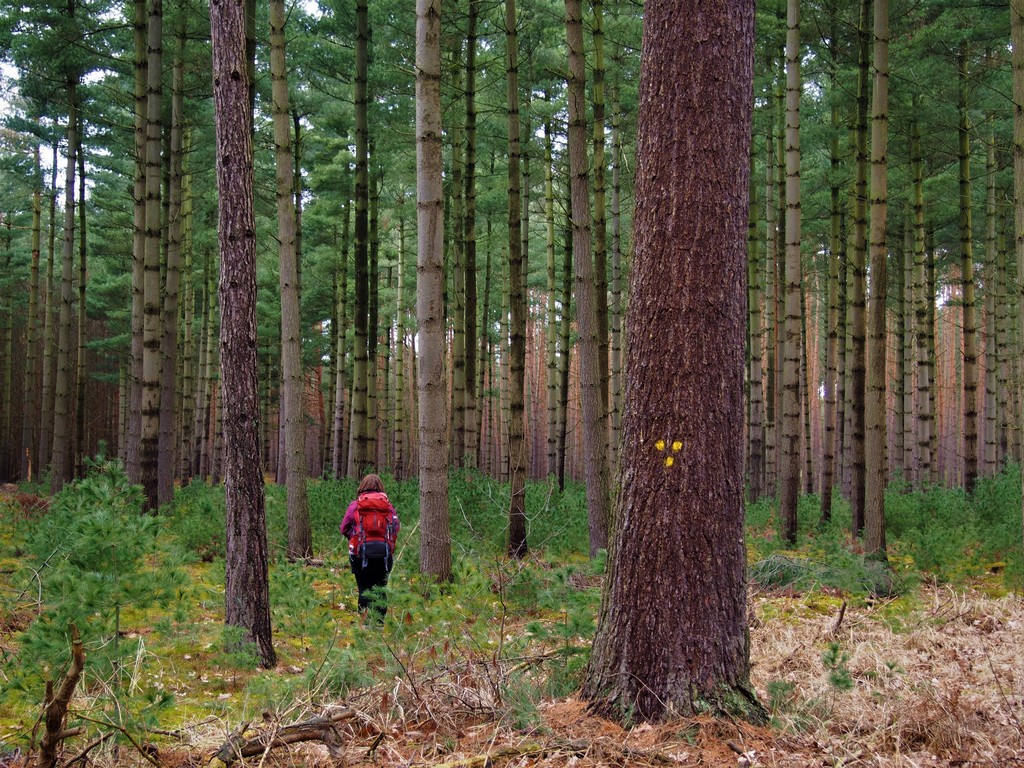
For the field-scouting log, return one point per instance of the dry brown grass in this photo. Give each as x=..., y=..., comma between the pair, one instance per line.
x=946, y=688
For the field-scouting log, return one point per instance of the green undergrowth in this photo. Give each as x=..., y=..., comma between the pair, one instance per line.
x=933, y=534
x=147, y=592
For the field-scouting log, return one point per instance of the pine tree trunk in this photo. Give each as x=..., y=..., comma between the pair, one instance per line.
x=473, y=404
x=616, y=308
x=922, y=298
x=789, y=470
x=831, y=380
x=517, y=301
x=991, y=281
x=858, y=320
x=770, y=304
x=338, y=441
x=189, y=346
x=755, y=350
x=132, y=446
x=401, y=454
x=600, y=240
x=373, y=427
x=662, y=646
x=968, y=317
x=168, y=439
x=358, y=453
x=551, y=326
x=300, y=542
x=875, y=447
x=1017, y=64
x=30, y=414
x=61, y=469
x=459, y=276
x=595, y=432
x=246, y=587
x=564, y=347
x=435, y=544
x=151, y=301
x=78, y=463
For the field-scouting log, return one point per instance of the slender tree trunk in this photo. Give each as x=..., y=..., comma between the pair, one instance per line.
x=789, y=471
x=435, y=544
x=300, y=540
x=401, y=455
x=151, y=302
x=517, y=301
x=875, y=447
x=81, y=370
x=246, y=585
x=595, y=433
x=858, y=320
x=358, y=456
x=168, y=440
x=600, y=241
x=1017, y=61
x=832, y=325
x=968, y=317
x=188, y=343
x=755, y=350
x=551, y=336
x=133, y=437
x=341, y=322
x=991, y=281
x=923, y=421
x=373, y=317
x=61, y=469
x=616, y=308
x=564, y=348
x=459, y=277
x=30, y=414
x=473, y=404
x=770, y=304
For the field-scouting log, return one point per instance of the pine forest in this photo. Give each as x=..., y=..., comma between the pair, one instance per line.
x=729, y=292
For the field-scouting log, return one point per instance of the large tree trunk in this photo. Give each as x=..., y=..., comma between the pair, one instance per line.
x=595, y=432
x=516, y=300
x=300, y=540
x=789, y=471
x=875, y=443
x=435, y=544
x=678, y=643
x=246, y=585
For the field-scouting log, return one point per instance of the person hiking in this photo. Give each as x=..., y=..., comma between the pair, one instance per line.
x=371, y=527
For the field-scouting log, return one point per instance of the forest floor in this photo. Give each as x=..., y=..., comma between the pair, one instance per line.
x=939, y=682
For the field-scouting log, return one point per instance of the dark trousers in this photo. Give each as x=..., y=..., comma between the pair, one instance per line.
x=371, y=579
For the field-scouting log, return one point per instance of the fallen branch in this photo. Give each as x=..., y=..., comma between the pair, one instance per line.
x=323, y=728
x=56, y=706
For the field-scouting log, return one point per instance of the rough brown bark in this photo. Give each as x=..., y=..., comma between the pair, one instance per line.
x=678, y=643
x=246, y=587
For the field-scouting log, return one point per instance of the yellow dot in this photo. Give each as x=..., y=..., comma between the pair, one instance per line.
x=660, y=445
x=669, y=461
x=676, y=446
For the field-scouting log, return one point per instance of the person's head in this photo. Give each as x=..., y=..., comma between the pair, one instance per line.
x=371, y=483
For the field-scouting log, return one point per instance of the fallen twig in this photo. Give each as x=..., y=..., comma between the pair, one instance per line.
x=322, y=728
